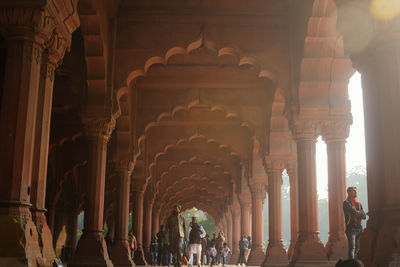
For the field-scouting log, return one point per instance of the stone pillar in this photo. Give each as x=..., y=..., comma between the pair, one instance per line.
x=25, y=34
x=155, y=221
x=335, y=134
x=276, y=254
x=148, y=213
x=245, y=205
x=379, y=67
x=229, y=228
x=120, y=251
x=50, y=59
x=236, y=233
x=91, y=250
x=138, y=197
x=257, y=255
x=294, y=209
x=308, y=250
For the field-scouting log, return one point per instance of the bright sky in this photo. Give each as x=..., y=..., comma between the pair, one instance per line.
x=355, y=147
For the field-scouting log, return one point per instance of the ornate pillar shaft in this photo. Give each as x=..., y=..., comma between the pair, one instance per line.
x=138, y=197
x=335, y=137
x=148, y=212
x=257, y=255
x=309, y=248
x=276, y=254
x=245, y=206
x=294, y=209
x=92, y=247
x=17, y=123
x=235, y=232
x=230, y=228
x=120, y=252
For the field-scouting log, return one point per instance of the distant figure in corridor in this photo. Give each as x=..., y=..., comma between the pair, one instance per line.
x=163, y=254
x=132, y=244
x=196, y=233
x=218, y=245
x=154, y=249
x=354, y=214
x=176, y=233
x=349, y=263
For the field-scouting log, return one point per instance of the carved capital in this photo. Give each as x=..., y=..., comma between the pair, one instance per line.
x=124, y=166
x=258, y=190
x=274, y=165
x=56, y=47
x=99, y=127
x=305, y=129
x=335, y=130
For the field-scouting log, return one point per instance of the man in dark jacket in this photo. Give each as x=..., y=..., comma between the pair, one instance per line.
x=354, y=214
x=162, y=238
x=196, y=233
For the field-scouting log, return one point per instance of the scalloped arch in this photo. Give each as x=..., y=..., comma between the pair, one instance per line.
x=201, y=42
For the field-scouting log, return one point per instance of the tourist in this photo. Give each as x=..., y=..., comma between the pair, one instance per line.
x=349, y=263
x=154, y=251
x=176, y=233
x=108, y=241
x=248, y=249
x=225, y=251
x=354, y=214
x=213, y=254
x=132, y=244
x=213, y=242
x=243, y=244
x=208, y=245
x=204, y=248
x=218, y=245
x=162, y=238
x=196, y=233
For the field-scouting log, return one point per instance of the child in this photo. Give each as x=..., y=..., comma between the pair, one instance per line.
x=154, y=251
x=213, y=254
x=225, y=251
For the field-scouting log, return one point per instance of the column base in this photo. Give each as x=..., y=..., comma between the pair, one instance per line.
x=234, y=258
x=140, y=258
x=121, y=254
x=256, y=256
x=276, y=255
x=337, y=246
x=47, y=256
x=19, y=244
x=309, y=250
x=314, y=264
x=91, y=251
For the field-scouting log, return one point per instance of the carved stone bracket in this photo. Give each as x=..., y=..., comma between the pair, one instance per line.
x=99, y=127
x=258, y=190
x=335, y=130
x=305, y=129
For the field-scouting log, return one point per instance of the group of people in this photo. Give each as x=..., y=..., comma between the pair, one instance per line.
x=173, y=245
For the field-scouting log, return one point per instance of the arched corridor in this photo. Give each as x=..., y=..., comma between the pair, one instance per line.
x=123, y=109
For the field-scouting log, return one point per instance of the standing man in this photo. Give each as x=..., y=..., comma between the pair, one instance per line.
x=196, y=233
x=132, y=244
x=176, y=233
x=243, y=244
x=354, y=214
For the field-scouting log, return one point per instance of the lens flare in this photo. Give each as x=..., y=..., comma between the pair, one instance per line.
x=384, y=9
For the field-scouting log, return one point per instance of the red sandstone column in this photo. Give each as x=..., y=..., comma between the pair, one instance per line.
x=294, y=209
x=25, y=37
x=229, y=227
x=91, y=248
x=120, y=252
x=138, y=197
x=335, y=134
x=245, y=204
x=155, y=221
x=379, y=67
x=148, y=212
x=41, y=148
x=308, y=249
x=235, y=231
x=257, y=255
x=276, y=254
